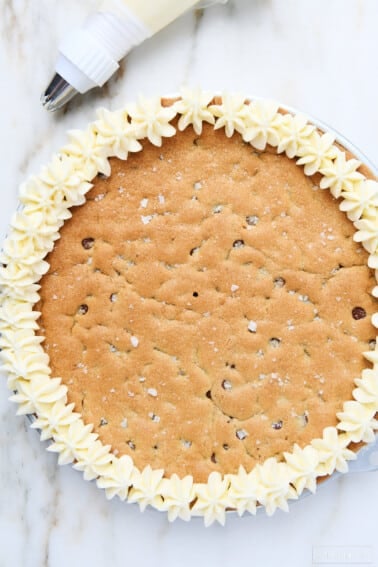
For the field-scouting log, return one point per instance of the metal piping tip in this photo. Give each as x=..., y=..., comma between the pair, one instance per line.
x=57, y=94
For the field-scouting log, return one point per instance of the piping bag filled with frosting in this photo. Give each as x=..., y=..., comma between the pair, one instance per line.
x=90, y=55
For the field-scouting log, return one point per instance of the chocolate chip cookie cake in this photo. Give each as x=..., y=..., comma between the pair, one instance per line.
x=188, y=304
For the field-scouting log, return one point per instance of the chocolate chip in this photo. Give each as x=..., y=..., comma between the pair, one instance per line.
x=252, y=220
x=208, y=394
x=195, y=293
x=226, y=447
x=238, y=243
x=213, y=458
x=83, y=309
x=194, y=250
x=358, y=313
x=277, y=424
x=87, y=243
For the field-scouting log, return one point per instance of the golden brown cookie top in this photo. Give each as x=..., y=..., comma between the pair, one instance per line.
x=207, y=306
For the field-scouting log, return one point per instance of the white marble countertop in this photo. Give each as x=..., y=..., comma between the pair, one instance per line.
x=316, y=55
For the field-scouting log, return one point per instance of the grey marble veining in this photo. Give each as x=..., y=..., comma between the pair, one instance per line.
x=316, y=55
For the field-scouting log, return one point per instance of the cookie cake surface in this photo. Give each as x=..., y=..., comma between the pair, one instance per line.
x=188, y=304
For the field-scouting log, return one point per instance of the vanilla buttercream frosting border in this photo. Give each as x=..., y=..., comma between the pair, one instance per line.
x=46, y=201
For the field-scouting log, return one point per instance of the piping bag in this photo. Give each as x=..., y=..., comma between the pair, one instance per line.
x=89, y=55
